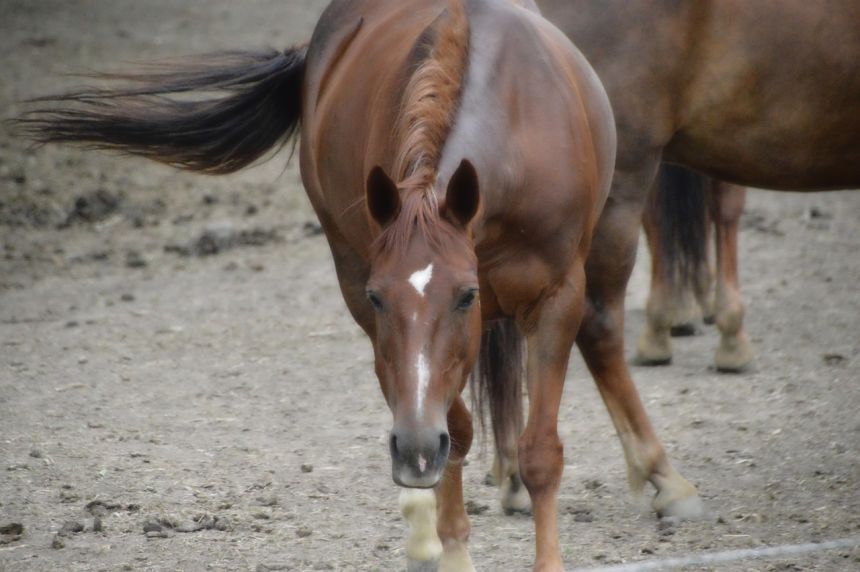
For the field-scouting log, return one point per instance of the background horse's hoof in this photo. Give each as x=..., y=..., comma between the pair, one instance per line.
x=640, y=359
x=653, y=349
x=422, y=565
x=684, y=330
x=733, y=355
x=515, y=497
x=687, y=508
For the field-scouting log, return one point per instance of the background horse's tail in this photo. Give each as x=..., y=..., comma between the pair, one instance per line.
x=681, y=208
x=497, y=383
x=231, y=109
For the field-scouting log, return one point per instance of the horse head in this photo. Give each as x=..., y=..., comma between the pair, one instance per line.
x=423, y=288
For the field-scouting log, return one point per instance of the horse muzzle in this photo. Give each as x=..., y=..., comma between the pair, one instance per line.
x=418, y=457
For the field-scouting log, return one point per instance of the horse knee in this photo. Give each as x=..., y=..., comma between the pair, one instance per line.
x=541, y=461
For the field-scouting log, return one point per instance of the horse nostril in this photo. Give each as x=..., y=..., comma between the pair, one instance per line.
x=392, y=445
x=444, y=444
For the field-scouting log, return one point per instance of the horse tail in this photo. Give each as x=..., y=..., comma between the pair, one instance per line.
x=497, y=383
x=233, y=107
x=681, y=203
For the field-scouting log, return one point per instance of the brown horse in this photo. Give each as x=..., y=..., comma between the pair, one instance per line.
x=458, y=155
x=764, y=93
x=683, y=208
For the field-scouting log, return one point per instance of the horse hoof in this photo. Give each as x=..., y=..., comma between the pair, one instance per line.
x=684, y=330
x=515, y=497
x=653, y=349
x=687, y=508
x=490, y=479
x=422, y=565
x=651, y=361
x=733, y=355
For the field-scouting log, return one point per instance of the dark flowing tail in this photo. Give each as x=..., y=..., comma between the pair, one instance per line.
x=231, y=109
x=681, y=204
x=497, y=383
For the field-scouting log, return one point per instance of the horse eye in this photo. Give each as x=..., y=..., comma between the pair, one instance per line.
x=467, y=299
x=374, y=300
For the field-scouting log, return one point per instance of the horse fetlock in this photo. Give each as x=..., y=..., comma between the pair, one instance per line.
x=423, y=547
x=455, y=558
x=734, y=353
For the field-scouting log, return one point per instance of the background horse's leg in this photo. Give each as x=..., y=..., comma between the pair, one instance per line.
x=655, y=345
x=453, y=523
x=601, y=340
x=735, y=351
x=549, y=342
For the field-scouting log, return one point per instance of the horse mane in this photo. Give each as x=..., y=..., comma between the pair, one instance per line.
x=427, y=113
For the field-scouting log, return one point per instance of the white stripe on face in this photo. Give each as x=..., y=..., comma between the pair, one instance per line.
x=422, y=369
x=420, y=278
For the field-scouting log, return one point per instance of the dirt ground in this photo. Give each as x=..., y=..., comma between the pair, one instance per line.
x=179, y=376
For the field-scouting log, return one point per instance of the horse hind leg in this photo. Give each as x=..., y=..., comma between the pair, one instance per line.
x=601, y=341
x=734, y=352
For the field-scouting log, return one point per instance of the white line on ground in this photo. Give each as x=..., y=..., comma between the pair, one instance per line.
x=727, y=556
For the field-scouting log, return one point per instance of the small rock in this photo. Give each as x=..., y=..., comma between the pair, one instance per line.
x=833, y=358
x=134, y=259
x=70, y=527
x=307, y=468
x=261, y=515
x=72, y=324
x=127, y=297
x=36, y=453
x=303, y=532
x=272, y=567
x=593, y=484
x=152, y=525
x=270, y=500
x=12, y=529
x=69, y=496
x=475, y=508
x=583, y=517
x=158, y=534
x=57, y=543
x=323, y=566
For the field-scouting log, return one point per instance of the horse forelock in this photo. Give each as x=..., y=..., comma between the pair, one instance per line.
x=427, y=113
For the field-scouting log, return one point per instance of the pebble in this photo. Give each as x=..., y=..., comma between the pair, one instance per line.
x=303, y=532
x=70, y=527
x=57, y=543
x=152, y=525
x=36, y=453
x=12, y=529
x=307, y=468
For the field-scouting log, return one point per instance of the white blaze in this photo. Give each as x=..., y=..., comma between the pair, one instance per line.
x=420, y=278
x=422, y=368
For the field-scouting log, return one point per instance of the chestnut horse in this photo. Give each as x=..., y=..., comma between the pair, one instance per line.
x=458, y=155
x=685, y=210
x=763, y=93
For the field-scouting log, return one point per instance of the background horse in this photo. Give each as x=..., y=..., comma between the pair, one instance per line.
x=458, y=156
x=684, y=211
x=765, y=94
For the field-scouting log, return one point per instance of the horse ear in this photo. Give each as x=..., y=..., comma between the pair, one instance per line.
x=383, y=198
x=462, y=198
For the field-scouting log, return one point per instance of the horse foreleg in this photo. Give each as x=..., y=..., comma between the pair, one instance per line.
x=735, y=351
x=453, y=523
x=438, y=524
x=541, y=462
x=601, y=341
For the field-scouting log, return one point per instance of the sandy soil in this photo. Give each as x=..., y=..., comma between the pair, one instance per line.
x=175, y=358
